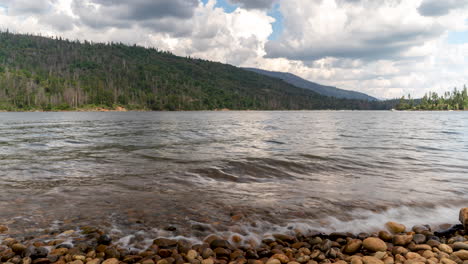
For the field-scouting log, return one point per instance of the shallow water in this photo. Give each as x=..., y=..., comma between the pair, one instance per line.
x=306, y=170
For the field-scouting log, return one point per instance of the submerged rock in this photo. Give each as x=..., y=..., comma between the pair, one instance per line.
x=464, y=218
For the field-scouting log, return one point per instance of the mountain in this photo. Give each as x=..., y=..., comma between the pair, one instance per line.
x=318, y=88
x=39, y=73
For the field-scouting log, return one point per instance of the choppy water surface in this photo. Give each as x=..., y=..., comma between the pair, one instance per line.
x=324, y=171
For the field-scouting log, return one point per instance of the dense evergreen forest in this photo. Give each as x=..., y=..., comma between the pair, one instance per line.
x=38, y=73
x=455, y=100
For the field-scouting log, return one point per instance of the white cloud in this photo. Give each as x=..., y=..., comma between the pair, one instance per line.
x=385, y=48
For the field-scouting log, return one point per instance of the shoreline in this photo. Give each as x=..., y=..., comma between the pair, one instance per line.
x=221, y=110
x=395, y=245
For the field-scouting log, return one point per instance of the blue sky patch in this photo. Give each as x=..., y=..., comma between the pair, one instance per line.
x=278, y=25
x=274, y=12
x=457, y=37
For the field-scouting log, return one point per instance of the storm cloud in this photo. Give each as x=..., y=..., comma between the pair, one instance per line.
x=440, y=8
x=160, y=14
x=254, y=4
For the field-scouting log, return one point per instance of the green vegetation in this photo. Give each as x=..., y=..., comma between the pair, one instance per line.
x=38, y=73
x=455, y=100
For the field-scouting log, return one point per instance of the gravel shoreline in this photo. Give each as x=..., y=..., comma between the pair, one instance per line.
x=395, y=245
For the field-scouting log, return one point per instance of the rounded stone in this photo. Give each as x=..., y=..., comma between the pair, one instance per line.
x=419, y=238
x=18, y=248
x=462, y=254
x=385, y=236
x=445, y=248
x=456, y=246
x=281, y=257
x=353, y=246
x=104, y=240
x=111, y=261
x=402, y=240
x=395, y=227
x=374, y=244
x=371, y=260
x=191, y=255
x=273, y=261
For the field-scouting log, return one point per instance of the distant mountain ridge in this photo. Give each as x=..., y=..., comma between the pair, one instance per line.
x=318, y=88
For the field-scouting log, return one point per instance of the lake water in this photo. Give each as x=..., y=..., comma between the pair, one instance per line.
x=249, y=173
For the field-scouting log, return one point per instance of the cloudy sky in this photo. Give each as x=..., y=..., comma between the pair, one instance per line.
x=385, y=48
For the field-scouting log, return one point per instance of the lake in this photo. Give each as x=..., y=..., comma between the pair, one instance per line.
x=250, y=173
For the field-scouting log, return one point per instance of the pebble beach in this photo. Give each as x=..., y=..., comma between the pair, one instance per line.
x=394, y=244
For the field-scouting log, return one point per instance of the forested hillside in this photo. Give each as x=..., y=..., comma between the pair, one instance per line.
x=38, y=73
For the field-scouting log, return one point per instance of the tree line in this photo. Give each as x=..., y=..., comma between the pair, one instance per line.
x=39, y=73
x=454, y=100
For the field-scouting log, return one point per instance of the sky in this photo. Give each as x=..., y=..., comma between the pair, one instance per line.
x=385, y=48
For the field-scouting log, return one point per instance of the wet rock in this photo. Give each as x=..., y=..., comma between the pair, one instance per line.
x=3, y=229
x=421, y=247
x=53, y=258
x=385, y=236
x=449, y=232
x=111, y=252
x=433, y=243
x=381, y=255
x=165, y=243
x=363, y=236
x=325, y=245
x=356, y=260
x=273, y=261
x=209, y=261
x=222, y=252
x=419, y=238
x=447, y=261
x=445, y=248
x=191, y=255
x=464, y=218
x=131, y=259
x=284, y=238
x=388, y=260
x=353, y=246
x=250, y=254
x=281, y=257
x=419, y=229
x=76, y=262
x=6, y=255
x=42, y=261
x=165, y=253
x=146, y=261
x=402, y=240
x=111, y=261
x=315, y=241
x=64, y=246
x=462, y=254
x=208, y=252
x=395, y=227
x=460, y=245
x=305, y=258
x=371, y=260
x=374, y=244
x=27, y=260
x=98, y=261
x=36, y=252
x=399, y=250
x=18, y=248
x=220, y=243
x=59, y=251
x=104, y=240
x=79, y=257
